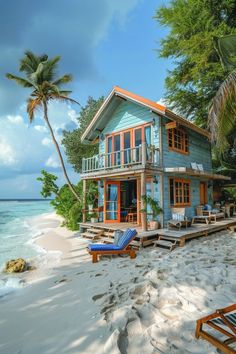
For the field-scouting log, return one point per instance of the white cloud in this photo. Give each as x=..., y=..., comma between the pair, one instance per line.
x=15, y=119
x=7, y=155
x=73, y=115
x=40, y=128
x=52, y=161
x=46, y=141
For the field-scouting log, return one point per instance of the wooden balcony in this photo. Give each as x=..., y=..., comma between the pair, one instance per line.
x=135, y=158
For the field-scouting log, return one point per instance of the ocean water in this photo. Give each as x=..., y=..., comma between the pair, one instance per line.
x=15, y=231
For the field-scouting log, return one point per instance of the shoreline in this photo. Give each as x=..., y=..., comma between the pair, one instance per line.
x=146, y=305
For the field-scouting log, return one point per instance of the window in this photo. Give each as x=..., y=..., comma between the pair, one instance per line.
x=125, y=147
x=178, y=140
x=179, y=192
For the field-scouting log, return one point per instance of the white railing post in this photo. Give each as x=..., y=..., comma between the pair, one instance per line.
x=144, y=153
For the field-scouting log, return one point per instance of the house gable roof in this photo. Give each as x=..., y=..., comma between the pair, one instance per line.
x=113, y=100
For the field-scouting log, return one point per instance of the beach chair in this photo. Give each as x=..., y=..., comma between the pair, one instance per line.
x=200, y=217
x=222, y=323
x=122, y=247
x=178, y=218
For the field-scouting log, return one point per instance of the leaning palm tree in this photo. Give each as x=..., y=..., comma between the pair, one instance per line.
x=222, y=113
x=40, y=77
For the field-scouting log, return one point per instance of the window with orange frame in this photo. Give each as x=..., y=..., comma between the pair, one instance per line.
x=179, y=191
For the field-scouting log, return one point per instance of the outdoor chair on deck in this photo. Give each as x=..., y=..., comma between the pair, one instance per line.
x=201, y=217
x=121, y=247
x=178, y=218
x=224, y=322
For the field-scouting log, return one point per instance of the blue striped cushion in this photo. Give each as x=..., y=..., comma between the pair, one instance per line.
x=126, y=238
x=103, y=247
x=231, y=318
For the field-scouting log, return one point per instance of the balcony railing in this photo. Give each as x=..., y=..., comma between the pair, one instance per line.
x=140, y=155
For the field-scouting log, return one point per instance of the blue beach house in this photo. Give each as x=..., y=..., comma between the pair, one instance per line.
x=146, y=149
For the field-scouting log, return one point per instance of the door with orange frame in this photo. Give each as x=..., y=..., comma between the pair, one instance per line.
x=112, y=201
x=203, y=193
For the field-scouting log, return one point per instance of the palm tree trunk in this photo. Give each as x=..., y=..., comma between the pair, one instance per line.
x=58, y=151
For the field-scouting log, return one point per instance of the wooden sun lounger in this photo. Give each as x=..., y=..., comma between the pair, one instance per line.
x=125, y=249
x=223, y=321
x=128, y=250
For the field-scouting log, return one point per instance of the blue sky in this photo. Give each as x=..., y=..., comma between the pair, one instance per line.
x=102, y=43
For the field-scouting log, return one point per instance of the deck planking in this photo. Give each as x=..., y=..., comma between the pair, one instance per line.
x=145, y=238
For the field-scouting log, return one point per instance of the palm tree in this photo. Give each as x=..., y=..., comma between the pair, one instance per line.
x=40, y=76
x=222, y=113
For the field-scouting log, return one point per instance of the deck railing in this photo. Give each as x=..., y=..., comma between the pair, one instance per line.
x=139, y=155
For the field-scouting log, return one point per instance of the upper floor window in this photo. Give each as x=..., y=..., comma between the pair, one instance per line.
x=127, y=141
x=178, y=140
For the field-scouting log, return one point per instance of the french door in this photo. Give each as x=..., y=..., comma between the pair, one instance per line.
x=112, y=201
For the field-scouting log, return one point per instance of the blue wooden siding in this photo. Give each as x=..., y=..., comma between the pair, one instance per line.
x=199, y=151
x=129, y=115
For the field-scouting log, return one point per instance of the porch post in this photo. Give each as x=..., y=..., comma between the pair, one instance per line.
x=144, y=154
x=143, y=192
x=84, y=199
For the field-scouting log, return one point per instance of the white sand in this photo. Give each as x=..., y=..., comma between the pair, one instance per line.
x=142, y=306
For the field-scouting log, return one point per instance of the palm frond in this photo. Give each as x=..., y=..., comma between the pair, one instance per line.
x=32, y=105
x=222, y=114
x=20, y=80
x=63, y=80
x=29, y=62
x=62, y=98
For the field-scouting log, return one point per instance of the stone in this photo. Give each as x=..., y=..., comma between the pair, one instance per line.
x=16, y=266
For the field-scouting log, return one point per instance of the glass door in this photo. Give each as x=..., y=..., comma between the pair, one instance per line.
x=112, y=202
x=138, y=143
x=127, y=146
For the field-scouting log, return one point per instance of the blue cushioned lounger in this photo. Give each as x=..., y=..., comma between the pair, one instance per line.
x=123, y=246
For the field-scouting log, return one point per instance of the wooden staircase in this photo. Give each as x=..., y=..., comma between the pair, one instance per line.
x=167, y=244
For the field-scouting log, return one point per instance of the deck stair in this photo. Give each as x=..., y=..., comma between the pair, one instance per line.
x=169, y=244
x=92, y=233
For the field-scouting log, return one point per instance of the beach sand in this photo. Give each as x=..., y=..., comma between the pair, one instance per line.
x=118, y=305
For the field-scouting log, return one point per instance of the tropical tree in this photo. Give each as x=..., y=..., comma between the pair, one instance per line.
x=40, y=76
x=195, y=72
x=222, y=114
x=74, y=149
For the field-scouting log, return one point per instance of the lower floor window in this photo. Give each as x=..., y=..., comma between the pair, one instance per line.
x=179, y=192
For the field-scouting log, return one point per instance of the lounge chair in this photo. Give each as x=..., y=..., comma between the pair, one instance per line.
x=122, y=246
x=178, y=218
x=213, y=213
x=199, y=217
x=223, y=321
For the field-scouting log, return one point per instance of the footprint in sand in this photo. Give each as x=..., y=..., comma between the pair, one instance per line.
x=98, y=296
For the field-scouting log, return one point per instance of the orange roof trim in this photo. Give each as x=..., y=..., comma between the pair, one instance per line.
x=140, y=99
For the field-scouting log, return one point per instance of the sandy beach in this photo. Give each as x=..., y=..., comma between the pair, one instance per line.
x=148, y=305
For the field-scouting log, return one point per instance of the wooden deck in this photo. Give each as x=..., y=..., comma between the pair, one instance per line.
x=196, y=230
x=146, y=238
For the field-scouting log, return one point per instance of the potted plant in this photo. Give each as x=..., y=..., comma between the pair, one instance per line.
x=94, y=217
x=91, y=197
x=156, y=210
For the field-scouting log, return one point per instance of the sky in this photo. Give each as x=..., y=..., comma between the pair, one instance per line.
x=102, y=43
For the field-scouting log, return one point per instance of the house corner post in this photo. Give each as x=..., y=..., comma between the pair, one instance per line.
x=84, y=199
x=144, y=153
x=143, y=192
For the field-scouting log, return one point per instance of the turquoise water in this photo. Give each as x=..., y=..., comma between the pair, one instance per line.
x=15, y=231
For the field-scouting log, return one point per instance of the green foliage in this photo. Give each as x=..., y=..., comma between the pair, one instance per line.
x=154, y=205
x=230, y=193
x=68, y=206
x=197, y=72
x=75, y=150
x=49, y=187
x=65, y=203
